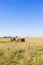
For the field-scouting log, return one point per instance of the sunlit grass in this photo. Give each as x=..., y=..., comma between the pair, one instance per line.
x=21, y=53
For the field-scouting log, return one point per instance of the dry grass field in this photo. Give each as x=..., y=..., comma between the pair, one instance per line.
x=29, y=52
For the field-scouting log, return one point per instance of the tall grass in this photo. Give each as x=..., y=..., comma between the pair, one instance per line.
x=17, y=57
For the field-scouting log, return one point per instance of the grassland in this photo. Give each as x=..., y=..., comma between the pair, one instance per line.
x=29, y=52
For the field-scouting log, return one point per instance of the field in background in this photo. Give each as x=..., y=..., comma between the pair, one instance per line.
x=32, y=42
x=29, y=52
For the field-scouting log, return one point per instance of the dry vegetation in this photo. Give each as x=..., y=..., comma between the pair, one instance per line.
x=29, y=52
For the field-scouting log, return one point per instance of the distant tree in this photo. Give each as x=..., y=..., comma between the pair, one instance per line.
x=5, y=37
x=16, y=36
x=9, y=37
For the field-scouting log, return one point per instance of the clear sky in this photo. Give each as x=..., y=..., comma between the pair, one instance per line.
x=21, y=18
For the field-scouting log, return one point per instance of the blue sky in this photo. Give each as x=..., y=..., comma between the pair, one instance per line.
x=21, y=18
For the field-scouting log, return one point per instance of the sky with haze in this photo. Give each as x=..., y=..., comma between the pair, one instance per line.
x=23, y=18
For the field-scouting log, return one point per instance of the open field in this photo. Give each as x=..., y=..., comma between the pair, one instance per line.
x=29, y=52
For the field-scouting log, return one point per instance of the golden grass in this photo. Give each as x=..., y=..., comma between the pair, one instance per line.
x=29, y=45
x=29, y=41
